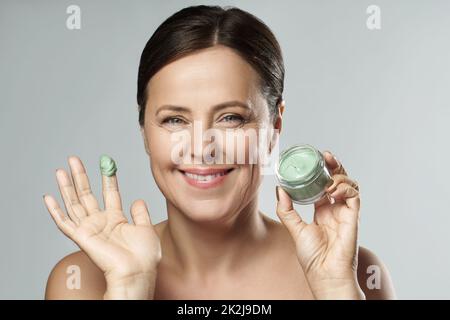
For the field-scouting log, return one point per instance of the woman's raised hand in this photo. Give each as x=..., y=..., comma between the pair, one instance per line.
x=127, y=253
x=327, y=248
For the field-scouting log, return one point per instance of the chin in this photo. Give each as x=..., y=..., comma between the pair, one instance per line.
x=206, y=210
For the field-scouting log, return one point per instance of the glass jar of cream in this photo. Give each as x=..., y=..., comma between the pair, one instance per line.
x=302, y=173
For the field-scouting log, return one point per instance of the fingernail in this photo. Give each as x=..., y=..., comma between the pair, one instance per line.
x=332, y=190
x=70, y=159
x=331, y=185
x=330, y=199
x=58, y=175
x=276, y=192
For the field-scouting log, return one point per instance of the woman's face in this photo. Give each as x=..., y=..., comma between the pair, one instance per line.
x=198, y=85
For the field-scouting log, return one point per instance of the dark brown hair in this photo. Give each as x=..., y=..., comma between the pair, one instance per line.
x=199, y=27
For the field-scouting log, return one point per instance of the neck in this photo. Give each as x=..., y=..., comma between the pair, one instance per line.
x=210, y=248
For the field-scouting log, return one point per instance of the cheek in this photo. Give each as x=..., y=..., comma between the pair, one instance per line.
x=248, y=147
x=159, y=148
x=249, y=180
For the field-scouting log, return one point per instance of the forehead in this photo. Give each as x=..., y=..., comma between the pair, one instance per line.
x=204, y=78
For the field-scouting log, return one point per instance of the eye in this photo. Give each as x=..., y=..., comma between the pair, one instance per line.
x=233, y=118
x=173, y=121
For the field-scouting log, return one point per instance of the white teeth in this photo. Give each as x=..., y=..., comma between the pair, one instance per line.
x=208, y=177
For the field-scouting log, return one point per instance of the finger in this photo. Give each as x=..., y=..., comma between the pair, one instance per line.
x=73, y=205
x=82, y=185
x=64, y=224
x=341, y=178
x=326, y=199
x=139, y=213
x=110, y=187
x=287, y=214
x=348, y=194
x=336, y=180
x=333, y=164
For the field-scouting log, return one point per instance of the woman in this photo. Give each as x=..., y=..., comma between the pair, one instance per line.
x=221, y=68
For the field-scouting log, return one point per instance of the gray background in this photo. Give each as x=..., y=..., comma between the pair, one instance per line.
x=378, y=99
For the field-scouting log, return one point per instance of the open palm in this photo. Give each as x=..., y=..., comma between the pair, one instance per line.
x=117, y=247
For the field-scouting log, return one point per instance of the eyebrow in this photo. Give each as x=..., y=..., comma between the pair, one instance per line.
x=215, y=108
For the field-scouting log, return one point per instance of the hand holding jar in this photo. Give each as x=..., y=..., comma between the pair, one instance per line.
x=326, y=248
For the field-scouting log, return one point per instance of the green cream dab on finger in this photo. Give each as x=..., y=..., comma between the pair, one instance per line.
x=107, y=166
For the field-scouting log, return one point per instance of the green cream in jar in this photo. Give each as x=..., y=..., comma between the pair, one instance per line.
x=302, y=173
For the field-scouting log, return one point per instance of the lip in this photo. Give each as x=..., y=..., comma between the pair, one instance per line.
x=205, y=171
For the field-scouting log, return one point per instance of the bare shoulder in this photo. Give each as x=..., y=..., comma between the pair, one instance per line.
x=75, y=277
x=279, y=236
x=373, y=276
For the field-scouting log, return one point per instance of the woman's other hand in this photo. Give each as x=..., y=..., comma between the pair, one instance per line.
x=127, y=253
x=327, y=248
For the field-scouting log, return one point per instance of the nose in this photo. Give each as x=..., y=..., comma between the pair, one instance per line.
x=206, y=143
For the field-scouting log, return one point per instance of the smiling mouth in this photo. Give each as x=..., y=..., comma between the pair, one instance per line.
x=205, y=178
